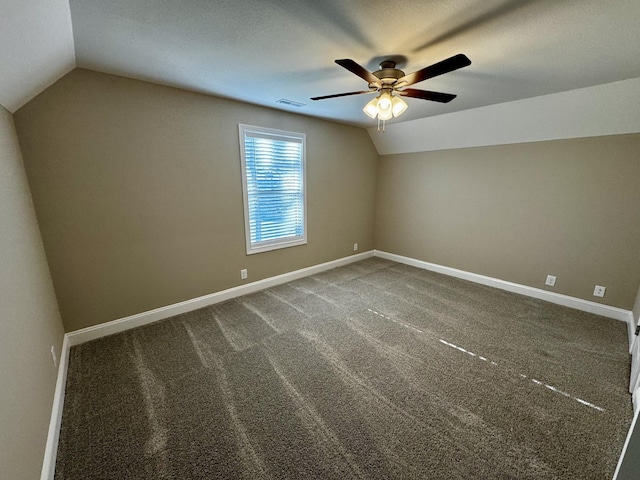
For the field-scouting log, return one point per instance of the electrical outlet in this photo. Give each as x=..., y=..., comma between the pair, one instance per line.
x=599, y=291
x=243, y=274
x=355, y=247
x=53, y=356
x=551, y=280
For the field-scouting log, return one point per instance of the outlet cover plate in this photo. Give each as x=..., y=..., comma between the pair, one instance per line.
x=599, y=291
x=551, y=280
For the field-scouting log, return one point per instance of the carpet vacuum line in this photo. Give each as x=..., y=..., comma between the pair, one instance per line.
x=484, y=359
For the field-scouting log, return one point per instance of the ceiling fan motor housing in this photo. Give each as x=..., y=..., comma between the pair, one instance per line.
x=388, y=72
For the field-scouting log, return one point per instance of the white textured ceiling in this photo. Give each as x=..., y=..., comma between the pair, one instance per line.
x=263, y=50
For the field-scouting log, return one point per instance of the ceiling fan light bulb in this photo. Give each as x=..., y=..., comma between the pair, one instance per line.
x=384, y=106
x=398, y=106
x=371, y=108
x=384, y=101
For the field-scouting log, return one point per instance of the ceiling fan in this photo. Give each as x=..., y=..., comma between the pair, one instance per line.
x=391, y=83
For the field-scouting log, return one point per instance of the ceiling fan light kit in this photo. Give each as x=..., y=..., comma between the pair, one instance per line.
x=389, y=81
x=385, y=106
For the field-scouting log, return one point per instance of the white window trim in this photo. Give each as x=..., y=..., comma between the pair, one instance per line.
x=274, y=244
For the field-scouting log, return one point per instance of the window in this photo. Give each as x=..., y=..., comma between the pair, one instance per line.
x=274, y=187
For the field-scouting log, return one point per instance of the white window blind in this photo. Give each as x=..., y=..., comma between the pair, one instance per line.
x=273, y=174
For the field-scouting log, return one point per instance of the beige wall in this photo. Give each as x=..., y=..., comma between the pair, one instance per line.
x=30, y=322
x=568, y=208
x=138, y=193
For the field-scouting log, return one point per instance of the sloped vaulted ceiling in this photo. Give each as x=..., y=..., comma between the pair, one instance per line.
x=36, y=48
x=260, y=51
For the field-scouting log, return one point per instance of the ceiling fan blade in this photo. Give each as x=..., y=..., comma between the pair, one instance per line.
x=359, y=70
x=445, y=66
x=342, y=95
x=426, y=95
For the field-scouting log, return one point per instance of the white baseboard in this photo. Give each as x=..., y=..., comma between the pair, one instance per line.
x=557, y=298
x=144, y=318
x=51, y=448
x=91, y=333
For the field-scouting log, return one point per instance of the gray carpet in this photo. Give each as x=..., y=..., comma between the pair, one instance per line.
x=374, y=370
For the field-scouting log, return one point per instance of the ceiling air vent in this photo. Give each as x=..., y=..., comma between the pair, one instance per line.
x=291, y=103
